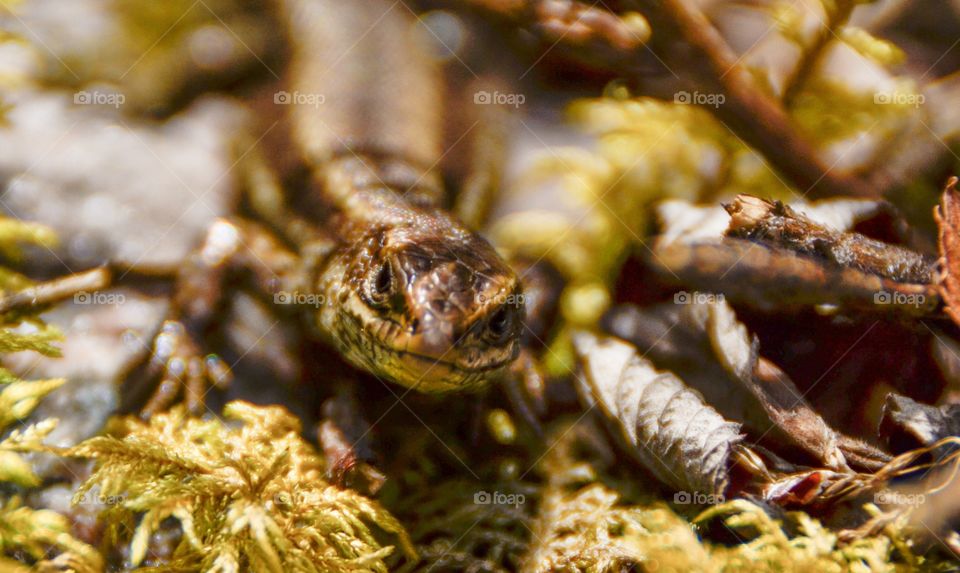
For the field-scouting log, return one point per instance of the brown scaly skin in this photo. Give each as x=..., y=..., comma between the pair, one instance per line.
x=398, y=286
x=413, y=296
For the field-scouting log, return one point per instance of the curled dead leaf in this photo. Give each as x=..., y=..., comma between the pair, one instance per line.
x=668, y=427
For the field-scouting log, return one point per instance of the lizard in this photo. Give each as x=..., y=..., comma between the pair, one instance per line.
x=396, y=284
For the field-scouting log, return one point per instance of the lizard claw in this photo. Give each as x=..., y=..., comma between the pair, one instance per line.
x=176, y=359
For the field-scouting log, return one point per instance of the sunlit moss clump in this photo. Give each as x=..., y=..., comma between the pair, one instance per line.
x=583, y=524
x=589, y=530
x=42, y=537
x=646, y=150
x=672, y=149
x=27, y=535
x=766, y=544
x=872, y=109
x=247, y=491
x=595, y=517
x=13, y=235
x=830, y=113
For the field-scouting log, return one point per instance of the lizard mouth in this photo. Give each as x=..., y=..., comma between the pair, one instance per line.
x=426, y=373
x=434, y=375
x=453, y=365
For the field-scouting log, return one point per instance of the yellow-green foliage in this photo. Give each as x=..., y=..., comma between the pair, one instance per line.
x=831, y=110
x=827, y=111
x=14, y=233
x=590, y=520
x=583, y=525
x=588, y=530
x=151, y=36
x=646, y=150
x=13, y=468
x=25, y=533
x=30, y=532
x=878, y=50
x=8, y=78
x=813, y=547
x=664, y=149
x=248, y=496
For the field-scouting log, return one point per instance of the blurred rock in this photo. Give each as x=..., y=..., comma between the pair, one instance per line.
x=112, y=187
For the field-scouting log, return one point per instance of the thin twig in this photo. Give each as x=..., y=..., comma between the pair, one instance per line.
x=756, y=117
x=49, y=292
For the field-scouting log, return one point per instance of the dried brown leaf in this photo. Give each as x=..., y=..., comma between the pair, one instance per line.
x=667, y=426
x=712, y=351
x=737, y=351
x=907, y=423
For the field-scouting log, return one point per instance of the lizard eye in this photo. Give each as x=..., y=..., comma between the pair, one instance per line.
x=382, y=284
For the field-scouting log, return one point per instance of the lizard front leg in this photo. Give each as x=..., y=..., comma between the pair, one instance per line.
x=232, y=248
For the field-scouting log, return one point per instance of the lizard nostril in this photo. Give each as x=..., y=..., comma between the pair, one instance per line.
x=501, y=324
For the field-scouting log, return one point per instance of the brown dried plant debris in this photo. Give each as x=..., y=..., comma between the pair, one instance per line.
x=672, y=432
x=947, y=215
x=584, y=31
x=712, y=351
x=908, y=424
x=782, y=269
x=776, y=280
x=777, y=224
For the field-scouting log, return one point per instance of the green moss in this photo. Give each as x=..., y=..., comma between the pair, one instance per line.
x=248, y=497
x=29, y=535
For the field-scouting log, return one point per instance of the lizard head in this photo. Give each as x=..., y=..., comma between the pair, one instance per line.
x=431, y=307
